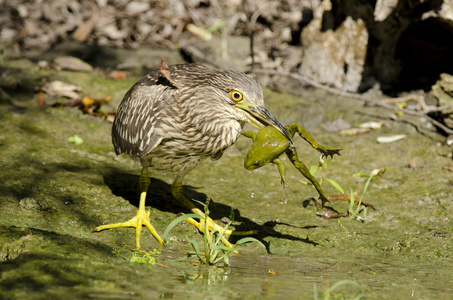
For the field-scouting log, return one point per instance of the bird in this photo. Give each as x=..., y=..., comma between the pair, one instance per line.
x=175, y=117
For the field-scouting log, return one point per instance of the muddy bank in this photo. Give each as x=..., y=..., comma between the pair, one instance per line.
x=55, y=192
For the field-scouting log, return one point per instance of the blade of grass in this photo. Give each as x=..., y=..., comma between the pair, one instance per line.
x=313, y=169
x=248, y=240
x=177, y=221
x=335, y=185
x=223, y=248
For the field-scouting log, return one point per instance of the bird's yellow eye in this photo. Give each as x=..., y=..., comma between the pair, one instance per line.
x=236, y=96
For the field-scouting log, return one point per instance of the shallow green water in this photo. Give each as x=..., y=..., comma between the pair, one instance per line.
x=54, y=193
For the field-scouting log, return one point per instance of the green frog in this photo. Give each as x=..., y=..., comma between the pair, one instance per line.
x=269, y=144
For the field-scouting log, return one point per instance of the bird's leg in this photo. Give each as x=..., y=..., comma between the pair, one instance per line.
x=142, y=216
x=177, y=191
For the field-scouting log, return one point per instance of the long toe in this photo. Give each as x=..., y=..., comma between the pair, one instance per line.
x=141, y=219
x=212, y=226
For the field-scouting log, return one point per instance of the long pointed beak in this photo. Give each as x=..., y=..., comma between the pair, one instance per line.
x=260, y=117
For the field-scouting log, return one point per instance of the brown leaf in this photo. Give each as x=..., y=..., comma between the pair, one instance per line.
x=41, y=99
x=118, y=75
x=272, y=272
x=61, y=89
x=348, y=198
x=88, y=101
x=84, y=30
x=199, y=32
x=354, y=131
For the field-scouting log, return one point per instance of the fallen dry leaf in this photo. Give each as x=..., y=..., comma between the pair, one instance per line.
x=390, y=139
x=83, y=31
x=88, y=101
x=41, y=99
x=272, y=272
x=348, y=198
x=371, y=125
x=354, y=131
x=118, y=75
x=199, y=32
x=61, y=89
x=73, y=64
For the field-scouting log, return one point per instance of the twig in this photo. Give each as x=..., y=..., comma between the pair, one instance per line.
x=311, y=82
x=438, y=108
x=365, y=99
x=436, y=123
x=251, y=20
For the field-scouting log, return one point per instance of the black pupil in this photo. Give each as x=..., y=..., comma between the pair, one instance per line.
x=236, y=96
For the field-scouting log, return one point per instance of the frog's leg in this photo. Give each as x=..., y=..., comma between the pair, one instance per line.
x=292, y=155
x=325, y=151
x=250, y=134
x=282, y=170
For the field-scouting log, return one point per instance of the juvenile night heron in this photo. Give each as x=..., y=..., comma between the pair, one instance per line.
x=175, y=117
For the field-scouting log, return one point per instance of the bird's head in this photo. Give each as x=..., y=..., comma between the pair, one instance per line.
x=246, y=95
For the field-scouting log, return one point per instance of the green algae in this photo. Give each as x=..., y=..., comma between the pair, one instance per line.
x=53, y=193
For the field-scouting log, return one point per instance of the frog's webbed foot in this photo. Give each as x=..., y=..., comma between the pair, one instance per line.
x=323, y=200
x=325, y=151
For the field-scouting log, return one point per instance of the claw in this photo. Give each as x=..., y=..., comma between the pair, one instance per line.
x=142, y=218
x=211, y=226
x=326, y=152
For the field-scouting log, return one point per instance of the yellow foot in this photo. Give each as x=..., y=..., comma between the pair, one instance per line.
x=211, y=226
x=142, y=218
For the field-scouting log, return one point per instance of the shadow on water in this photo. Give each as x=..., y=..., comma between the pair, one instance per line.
x=126, y=185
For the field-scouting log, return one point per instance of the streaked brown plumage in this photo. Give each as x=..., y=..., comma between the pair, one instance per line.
x=174, y=129
x=175, y=117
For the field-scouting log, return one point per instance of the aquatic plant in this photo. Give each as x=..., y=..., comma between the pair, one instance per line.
x=214, y=250
x=356, y=205
x=353, y=213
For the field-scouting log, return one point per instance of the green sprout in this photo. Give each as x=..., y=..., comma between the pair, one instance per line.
x=355, y=204
x=353, y=213
x=314, y=168
x=214, y=250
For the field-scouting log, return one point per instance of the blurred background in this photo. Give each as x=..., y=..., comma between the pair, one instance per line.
x=349, y=45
